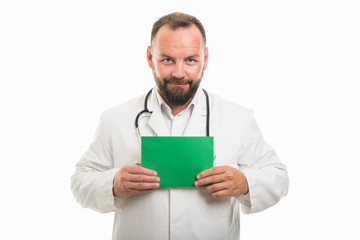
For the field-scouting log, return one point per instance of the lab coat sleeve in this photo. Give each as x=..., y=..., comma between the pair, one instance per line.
x=267, y=177
x=92, y=183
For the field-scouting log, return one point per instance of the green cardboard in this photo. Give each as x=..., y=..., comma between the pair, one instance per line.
x=177, y=160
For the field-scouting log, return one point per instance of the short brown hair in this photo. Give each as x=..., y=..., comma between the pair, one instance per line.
x=177, y=20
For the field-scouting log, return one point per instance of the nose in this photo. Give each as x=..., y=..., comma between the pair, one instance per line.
x=179, y=70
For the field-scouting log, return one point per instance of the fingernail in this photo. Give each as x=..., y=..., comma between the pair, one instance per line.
x=158, y=179
x=157, y=185
x=196, y=184
x=151, y=172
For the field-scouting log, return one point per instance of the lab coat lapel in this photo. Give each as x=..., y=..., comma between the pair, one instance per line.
x=156, y=121
x=197, y=122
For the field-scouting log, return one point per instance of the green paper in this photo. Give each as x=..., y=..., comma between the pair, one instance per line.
x=177, y=160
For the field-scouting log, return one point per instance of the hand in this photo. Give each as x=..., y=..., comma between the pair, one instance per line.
x=226, y=181
x=133, y=180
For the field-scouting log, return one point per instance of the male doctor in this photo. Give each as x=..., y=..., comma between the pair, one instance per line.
x=246, y=172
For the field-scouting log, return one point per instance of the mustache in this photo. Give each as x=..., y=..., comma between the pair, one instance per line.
x=177, y=80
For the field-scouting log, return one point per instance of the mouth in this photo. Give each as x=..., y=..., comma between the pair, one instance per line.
x=179, y=84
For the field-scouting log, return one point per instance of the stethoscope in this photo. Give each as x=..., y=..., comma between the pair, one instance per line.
x=146, y=110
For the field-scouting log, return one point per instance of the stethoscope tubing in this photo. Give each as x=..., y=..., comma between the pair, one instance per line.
x=146, y=110
x=143, y=111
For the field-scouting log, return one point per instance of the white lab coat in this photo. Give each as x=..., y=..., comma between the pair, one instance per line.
x=179, y=213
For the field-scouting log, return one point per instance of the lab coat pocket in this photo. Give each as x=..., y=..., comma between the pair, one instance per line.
x=214, y=208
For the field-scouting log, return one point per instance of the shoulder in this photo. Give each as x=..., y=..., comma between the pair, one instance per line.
x=230, y=118
x=226, y=107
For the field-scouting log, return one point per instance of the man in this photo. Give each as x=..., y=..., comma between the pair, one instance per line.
x=246, y=170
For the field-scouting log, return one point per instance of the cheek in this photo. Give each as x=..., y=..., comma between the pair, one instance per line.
x=194, y=71
x=164, y=71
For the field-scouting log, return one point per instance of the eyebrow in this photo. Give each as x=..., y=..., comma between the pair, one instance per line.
x=164, y=56
x=193, y=56
x=167, y=56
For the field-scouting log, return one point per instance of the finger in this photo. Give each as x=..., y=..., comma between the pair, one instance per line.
x=140, y=178
x=139, y=170
x=221, y=194
x=130, y=186
x=216, y=187
x=211, y=171
x=210, y=179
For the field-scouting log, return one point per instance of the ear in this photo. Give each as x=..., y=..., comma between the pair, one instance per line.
x=149, y=56
x=206, y=58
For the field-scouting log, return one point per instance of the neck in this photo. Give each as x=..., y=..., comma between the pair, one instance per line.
x=177, y=109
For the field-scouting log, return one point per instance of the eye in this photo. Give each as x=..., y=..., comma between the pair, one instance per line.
x=167, y=60
x=191, y=61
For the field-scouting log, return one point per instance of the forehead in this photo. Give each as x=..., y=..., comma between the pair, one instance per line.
x=180, y=38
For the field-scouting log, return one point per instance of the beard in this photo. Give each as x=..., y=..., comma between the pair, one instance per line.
x=177, y=96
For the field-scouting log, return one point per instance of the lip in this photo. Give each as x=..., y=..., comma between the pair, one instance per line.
x=179, y=84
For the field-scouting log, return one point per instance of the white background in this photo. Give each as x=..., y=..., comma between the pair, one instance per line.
x=296, y=63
